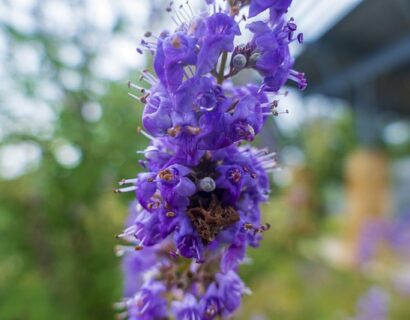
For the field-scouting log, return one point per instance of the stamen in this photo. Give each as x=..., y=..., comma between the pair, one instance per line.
x=127, y=181
x=267, y=156
x=189, y=7
x=146, y=78
x=150, y=76
x=143, y=241
x=183, y=13
x=176, y=22
x=199, y=260
x=188, y=14
x=271, y=165
x=148, y=149
x=276, y=113
x=270, y=105
x=139, y=130
x=126, y=189
x=146, y=306
x=299, y=78
x=148, y=43
x=127, y=232
x=134, y=96
x=144, y=99
x=260, y=152
x=139, y=88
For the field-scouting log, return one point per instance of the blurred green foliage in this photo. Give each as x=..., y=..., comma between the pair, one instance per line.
x=58, y=222
x=57, y=225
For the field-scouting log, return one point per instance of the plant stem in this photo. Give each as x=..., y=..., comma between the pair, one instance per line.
x=222, y=67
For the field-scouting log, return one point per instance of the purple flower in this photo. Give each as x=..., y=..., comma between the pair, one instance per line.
x=198, y=199
x=186, y=309
x=174, y=52
x=221, y=31
x=156, y=157
x=211, y=304
x=146, y=190
x=148, y=303
x=271, y=56
x=277, y=8
x=134, y=265
x=234, y=254
x=188, y=242
x=157, y=114
x=230, y=121
x=231, y=289
x=175, y=187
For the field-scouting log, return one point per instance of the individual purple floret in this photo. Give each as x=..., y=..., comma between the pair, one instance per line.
x=270, y=54
x=198, y=200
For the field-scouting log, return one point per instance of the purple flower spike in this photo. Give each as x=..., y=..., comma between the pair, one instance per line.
x=197, y=207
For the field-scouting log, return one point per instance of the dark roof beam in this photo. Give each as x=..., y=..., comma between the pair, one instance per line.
x=367, y=69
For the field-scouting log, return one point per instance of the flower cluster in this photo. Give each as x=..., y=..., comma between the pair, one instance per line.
x=198, y=201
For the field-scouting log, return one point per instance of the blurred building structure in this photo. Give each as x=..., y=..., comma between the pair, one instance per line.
x=365, y=59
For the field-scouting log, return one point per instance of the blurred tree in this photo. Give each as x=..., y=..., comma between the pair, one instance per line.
x=59, y=217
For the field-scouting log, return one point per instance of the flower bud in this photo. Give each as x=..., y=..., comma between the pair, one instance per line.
x=239, y=61
x=254, y=58
x=207, y=184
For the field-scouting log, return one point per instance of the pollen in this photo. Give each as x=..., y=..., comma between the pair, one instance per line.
x=166, y=175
